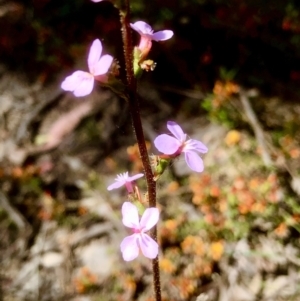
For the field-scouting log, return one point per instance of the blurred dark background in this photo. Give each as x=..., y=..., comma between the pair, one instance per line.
x=257, y=41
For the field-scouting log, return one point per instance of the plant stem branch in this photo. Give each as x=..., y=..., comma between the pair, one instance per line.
x=134, y=107
x=19, y=220
x=128, y=47
x=257, y=129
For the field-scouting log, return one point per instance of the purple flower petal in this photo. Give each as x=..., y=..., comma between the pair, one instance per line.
x=149, y=247
x=162, y=35
x=196, y=145
x=130, y=216
x=103, y=65
x=94, y=55
x=194, y=161
x=141, y=27
x=135, y=177
x=176, y=130
x=122, y=176
x=149, y=218
x=129, y=247
x=85, y=87
x=129, y=187
x=115, y=185
x=72, y=81
x=124, y=179
x=166, y=144
x=80, y=83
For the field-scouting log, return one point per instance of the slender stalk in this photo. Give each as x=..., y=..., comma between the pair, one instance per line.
x=151, y=184
x=128, y=47
x=138, y=130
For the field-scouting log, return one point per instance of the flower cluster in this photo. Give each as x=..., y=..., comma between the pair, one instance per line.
x=139, y=240
x=171, y=147
x=101, y=68
x=81, y=83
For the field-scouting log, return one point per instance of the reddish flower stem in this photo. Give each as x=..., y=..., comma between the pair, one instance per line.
x=134, y=107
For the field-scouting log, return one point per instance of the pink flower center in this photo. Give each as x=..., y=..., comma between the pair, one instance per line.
x=183, y=145
x=129, y=187
x=136, y=230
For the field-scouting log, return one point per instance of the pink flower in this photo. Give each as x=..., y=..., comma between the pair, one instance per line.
x=139, y=240
x=96, y=1
x=124, y=179
x=181, y=144
x=147, y=36
x=81, y=83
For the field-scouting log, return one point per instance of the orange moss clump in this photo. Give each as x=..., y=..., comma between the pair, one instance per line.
x=169, y=229
x=281, y=230
x=110, y=163
x=186, y=287
x=209, y=199
x=193, y=245
x=167, y=266
x=173, y=186
x=129, y=283
x=215, y=191
x=46, y=211
x=85, y=281
x=222, y=92
x=82, y=210
x=199, y=185
x=290, y=147
x=253, y=195
x=233, y=137
x=217, y=250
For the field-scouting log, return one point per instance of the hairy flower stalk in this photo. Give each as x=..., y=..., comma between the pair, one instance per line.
x=104, y=69
x=137, y=125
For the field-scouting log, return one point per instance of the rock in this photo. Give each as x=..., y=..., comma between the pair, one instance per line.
x=52, y=259
x=274, y=286
x=99, y=257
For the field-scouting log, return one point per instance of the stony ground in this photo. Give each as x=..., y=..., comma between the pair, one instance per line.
x=229, y=234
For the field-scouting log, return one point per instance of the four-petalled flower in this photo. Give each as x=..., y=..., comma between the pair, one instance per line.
x=174, y=146
x=139, y=240
x=124, y=179
x=147, y=35
x=81, y=83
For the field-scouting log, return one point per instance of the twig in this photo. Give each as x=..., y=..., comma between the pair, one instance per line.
x=24, y=228
x=41, y=105
x=257, y=128
x=14, y=215
x=259, y=134
x=82, y=236
x=198, y=95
